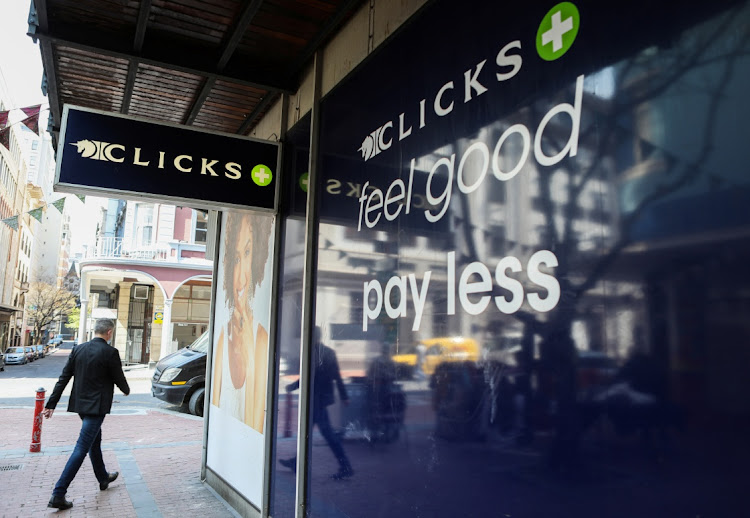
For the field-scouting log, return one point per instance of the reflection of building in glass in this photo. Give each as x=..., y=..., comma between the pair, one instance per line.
x=517, y=218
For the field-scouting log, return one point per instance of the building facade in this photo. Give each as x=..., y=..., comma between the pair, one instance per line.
x=16, y=244
x=147, y=269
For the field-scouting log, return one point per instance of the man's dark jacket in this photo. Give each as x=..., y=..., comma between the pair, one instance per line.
x=326, y=373
x=95, y=368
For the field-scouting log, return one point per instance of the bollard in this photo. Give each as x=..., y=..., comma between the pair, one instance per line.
x=36, y=434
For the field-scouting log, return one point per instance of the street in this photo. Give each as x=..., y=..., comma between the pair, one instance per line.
x=19, y=383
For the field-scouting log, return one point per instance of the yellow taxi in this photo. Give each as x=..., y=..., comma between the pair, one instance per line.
x=427, y=354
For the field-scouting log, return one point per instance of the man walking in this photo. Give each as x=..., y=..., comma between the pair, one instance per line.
x=95, y=368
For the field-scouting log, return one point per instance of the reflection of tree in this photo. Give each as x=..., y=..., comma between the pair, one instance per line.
x=641, y=80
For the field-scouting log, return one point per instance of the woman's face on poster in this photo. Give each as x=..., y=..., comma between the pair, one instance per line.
x=240, y=322
x=243, y=263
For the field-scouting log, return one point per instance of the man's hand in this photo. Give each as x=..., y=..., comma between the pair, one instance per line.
x=48, y=412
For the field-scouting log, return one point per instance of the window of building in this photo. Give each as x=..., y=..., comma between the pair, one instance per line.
x=201, y=292
x=200, y=227
x=497, y=241
x=192, y=303
x=144, y=224
x=355, y=307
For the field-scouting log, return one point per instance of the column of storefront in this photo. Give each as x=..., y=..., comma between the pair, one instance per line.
x=166, y=330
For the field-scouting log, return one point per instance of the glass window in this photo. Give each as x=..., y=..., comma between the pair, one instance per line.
x=180, y=310
x=201, y=344
x=545, y=375
x=201, y=227
x=183, y=292
x=144, y=215
x=201, y=292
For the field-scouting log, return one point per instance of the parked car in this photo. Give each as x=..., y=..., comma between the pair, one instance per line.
x=56, y=340
x=180, y=378
x=39, y=350
x=16, y=355
x=30, y=353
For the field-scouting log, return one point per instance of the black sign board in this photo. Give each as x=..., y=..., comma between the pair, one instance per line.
x=114, y=155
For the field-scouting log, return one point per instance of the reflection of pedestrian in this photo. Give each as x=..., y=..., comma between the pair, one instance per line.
x=95, y=368
x=385, y=400
x=325, y=373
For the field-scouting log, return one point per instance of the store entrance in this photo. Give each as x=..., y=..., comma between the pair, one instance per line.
x=139, y=324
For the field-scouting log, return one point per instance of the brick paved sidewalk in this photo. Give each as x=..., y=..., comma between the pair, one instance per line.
x=158, y=455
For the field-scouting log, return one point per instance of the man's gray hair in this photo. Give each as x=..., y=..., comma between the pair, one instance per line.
x=103, y=326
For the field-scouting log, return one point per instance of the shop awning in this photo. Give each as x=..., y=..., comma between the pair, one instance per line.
x=216, y=65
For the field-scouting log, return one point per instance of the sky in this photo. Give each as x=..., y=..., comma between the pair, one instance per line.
x=20, y=60
x=21, y=69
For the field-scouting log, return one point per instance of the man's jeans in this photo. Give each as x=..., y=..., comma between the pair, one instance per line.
x=89, y=441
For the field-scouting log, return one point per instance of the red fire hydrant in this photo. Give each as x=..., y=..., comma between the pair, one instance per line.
x=36, y=434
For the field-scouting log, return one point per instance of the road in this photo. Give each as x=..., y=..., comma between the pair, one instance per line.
x=19, y=383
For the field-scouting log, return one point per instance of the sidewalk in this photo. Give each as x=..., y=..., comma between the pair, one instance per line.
x=158, y=455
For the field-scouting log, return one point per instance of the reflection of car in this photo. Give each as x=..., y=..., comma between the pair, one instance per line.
x=180, y=377
x=436, y=351
x=39, y=350
x=31, y=353
x=16, y=355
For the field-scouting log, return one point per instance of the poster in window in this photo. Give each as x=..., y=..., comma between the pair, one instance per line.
x=240, y=353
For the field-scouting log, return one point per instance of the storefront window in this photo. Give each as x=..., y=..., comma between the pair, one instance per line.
x=283, y=459
x=562, y=330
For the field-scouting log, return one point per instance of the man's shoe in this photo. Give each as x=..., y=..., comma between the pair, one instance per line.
x=59, y=502
x=111, y=477
x=343, y=473
x=289, y=463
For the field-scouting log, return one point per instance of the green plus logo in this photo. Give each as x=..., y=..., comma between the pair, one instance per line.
x=303, y=181
x=261, y=175
x=558, y=31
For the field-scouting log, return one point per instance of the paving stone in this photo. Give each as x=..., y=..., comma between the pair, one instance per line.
x=158, y=455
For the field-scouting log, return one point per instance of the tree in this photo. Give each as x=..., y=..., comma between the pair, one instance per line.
x=45, y=303
x=74, y=319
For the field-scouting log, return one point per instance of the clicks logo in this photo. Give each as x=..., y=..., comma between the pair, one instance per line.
x=555, y=36
x=374, y=143
x=96, y=150
x=261, y=174
x=558, y=31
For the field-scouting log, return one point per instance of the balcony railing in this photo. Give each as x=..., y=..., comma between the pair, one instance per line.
x=116, y=248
